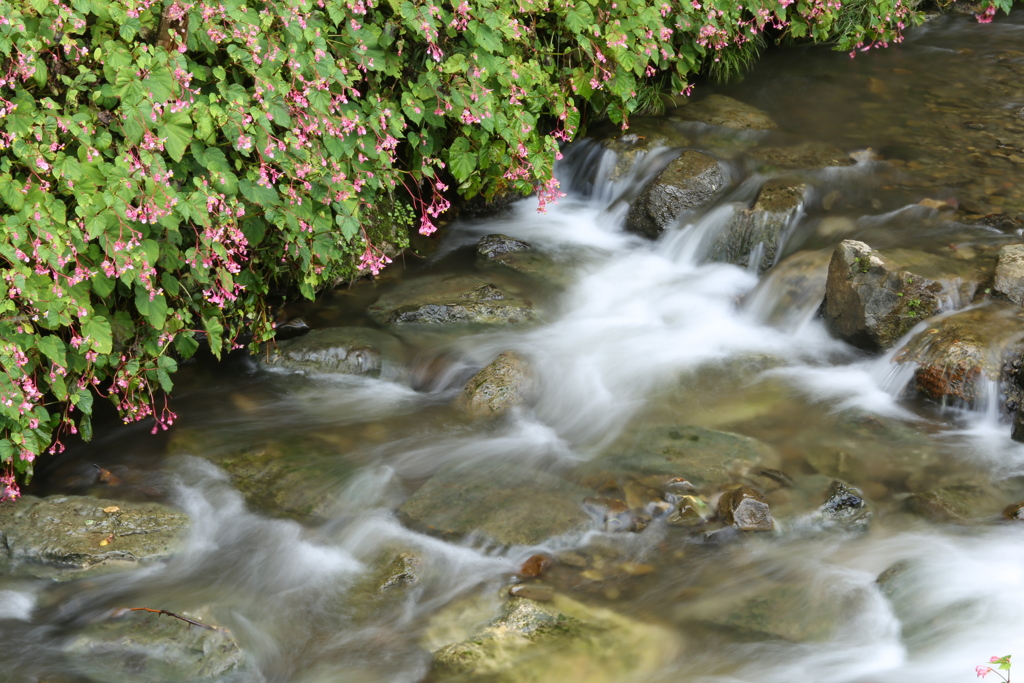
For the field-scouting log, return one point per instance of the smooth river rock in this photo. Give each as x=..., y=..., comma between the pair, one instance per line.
x=721, y=110
x=871, y=299
x=502, y=384
x=512, y=505
x=79, y=532
x=451, y=300
x=556, y=641
x=1009, y=279
x=690, y=181
x=341, y=350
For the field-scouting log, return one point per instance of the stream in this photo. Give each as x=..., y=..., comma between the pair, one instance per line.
x=298, y=485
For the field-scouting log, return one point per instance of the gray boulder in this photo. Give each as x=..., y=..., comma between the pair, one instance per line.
x=492, y=246
x=451, y=300
x=79, y=532
x=720, y=110
x=871, y=299
x=502, y=384
x=342, y=350
x=511, y=505
x=797, y=157
x=1009, y=278
x=690, y=181
x=755, y=235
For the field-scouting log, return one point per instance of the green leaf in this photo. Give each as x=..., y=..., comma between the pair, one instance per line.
x=461, y=159
x=97, y=330
x=53, y=348
x=176, y=131
x=214, y=332
x=82, y=399
x=10, y=192
x=186, y=344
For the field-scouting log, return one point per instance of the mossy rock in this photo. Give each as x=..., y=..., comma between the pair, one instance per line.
x=451, y=300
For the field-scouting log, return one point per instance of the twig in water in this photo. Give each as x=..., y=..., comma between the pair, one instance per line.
x=191, y=622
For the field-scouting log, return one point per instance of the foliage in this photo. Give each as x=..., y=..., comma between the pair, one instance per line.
x=166, y=164
x=1001, y=664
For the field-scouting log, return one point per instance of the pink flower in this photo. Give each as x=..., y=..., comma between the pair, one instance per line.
x=982, y=671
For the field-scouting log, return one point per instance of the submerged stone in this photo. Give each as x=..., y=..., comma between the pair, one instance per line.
x=720, y=110
x=491, y=246
x=845, y=507
x=451, y=300
x=690, y=181
x=79, y=532
x=145, y=646
x=745, y=509
x=950, y=505
x=342, y=350
x=555, y=641
x=509, y=504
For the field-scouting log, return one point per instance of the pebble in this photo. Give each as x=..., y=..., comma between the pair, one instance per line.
x=532, y=591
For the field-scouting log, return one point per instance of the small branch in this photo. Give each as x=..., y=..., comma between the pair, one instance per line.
x=176, y=616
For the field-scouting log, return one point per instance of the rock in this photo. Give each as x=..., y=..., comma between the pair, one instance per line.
x=612, y=514
x=688, y=512
x=872, y=300
x=754, y=236
x=704, y=458
x=844, y=507
x=950, y=505
x=690, y=181
x=551, y=272
x=757, y=608
x=719, y=110
x=1009, y=280
x=745, y=509
x=342, y=350
x=491, y=246
x=1014, y=512
x=645, y=134
x=78, y=532
x=451, y=300
x=802, y=156
x=504, y=383
x=557, y=641
x=512, y=506
x=792, y=291
x=143, y=646
x=536, y=565
x=954, y=354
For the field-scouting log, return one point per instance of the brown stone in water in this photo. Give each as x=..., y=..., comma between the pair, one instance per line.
x=745, y=509
x=1015, y=512
x=532, y=591
x=536, y=565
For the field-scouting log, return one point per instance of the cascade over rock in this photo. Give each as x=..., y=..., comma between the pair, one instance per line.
x=690, y=181
x=754, y=236
x=502, y=384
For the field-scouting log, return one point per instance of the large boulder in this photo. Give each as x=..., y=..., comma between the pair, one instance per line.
x=956, y=353
x=502, y=384
x=872, y=300
x=705, y=458
x=721, y=110
x=556, y=641
x=1009, y=279
x=342, y=350
x=451, y=300
x=755, y=235
x=146, y=646
x=690, y=181
x=513, y=505
x=79, y=533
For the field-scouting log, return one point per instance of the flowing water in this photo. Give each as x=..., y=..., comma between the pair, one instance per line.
x=641, y=336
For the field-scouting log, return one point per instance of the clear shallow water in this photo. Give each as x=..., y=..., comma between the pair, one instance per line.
x=644, y=335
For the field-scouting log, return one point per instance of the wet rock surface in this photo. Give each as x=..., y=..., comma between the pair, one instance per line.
x=793, y=290
x=342, y=350
x=873, y=299
x=492, y=246
x=798, y=157
x=78, y=532
x=755, y=235
x=744, y=508
x=557, y=640
x=844, y=507
x=958, y=504
x=721, y=110
x=955, y=354
x=1009, y=278
x=504, y=383
x=704, y=458
x=141, y=646
x=451, y=300
x=510, y=506
x=690, y=181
